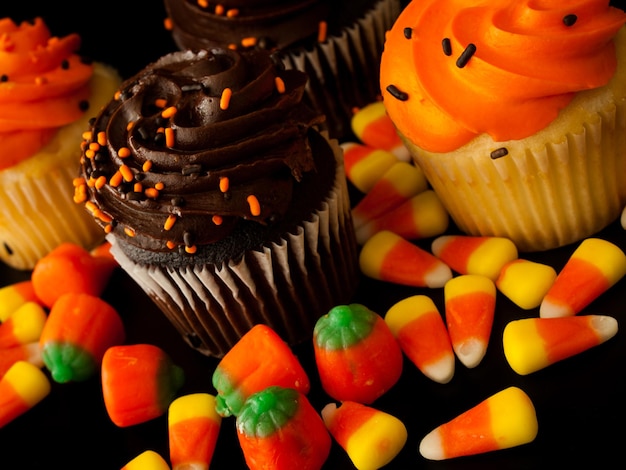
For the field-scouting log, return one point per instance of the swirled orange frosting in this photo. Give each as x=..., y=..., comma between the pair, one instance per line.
x=44, y=85
x=455, y=69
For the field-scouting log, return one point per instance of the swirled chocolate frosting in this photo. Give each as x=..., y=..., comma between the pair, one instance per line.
x=195, y=145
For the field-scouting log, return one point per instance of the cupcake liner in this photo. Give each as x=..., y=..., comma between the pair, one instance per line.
x=542, y=197
x=287, y=285
x=354, y=53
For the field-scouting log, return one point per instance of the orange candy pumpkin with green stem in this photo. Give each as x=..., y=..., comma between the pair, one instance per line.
x=79, y=329
x=278, y=429
x=261, y=358
x=139, y=382
x=356, y=354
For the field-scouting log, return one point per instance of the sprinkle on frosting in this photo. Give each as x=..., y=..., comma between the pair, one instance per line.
x=466, y=55
x=322, y=32
x=408, y=32
x=569, y=20
x=225, y=98
x=396, y=93
x=255, y=206
x=446, y=45
x=499, y=153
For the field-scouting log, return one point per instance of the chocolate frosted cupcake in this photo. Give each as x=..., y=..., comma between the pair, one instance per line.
x=221, y=197
x=338, y=44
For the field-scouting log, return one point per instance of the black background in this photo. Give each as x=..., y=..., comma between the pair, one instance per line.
x=580, y=402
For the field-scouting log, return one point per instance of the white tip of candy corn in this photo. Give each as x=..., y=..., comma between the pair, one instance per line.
x=441, y=371
x=431, y=446
x=470, y=352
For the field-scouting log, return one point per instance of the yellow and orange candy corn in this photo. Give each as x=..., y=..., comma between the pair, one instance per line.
x=400, y=182
x=29, y=352
x=373, y=127
x=370, y=437
x=594, y=267
x=23, y=326
x=279, y=429
x=261, y=358
x=147, y=460
x=139, y=381
x=531, y=344
x=504, y=420
x=389, y=257
x=470, y=301
x=421, y=216
x=365, y=165
x=80, y=328
x=525, y=282
x=193, y=427
x=21, y=388
x=482, y=255
x=356, y=354
x=419, y=328
x=14, y=296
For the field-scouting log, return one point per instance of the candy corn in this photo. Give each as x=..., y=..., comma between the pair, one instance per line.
x=531, y=344
x=23, y=326
x=400, y=182
x=470, y=301
x=594, y=267
x=421, y=216
x=356, y=354
x=503, y=420
x=372, y=126
x=525, y=282
x=80, y=328
x=147, y=460
x=258, y=360
x=139, y=381
x=388, y=257
x=475, y=254
x=279, y=429
x=370, y=437
x=22, y=387
x=14, y=296
x=365, y=165
x=423, y=337
x=80, y=271
x=193, y=426
x=29, y=352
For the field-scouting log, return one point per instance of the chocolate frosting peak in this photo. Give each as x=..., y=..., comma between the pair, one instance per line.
x=195, y=143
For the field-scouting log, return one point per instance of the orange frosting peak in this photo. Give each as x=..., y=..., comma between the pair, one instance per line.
x=453, y=69
x=43, y=85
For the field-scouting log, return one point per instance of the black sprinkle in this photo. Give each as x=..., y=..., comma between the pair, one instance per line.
x=140, y=176
x=4, y=78
x=408, y=33
x=99, y=157
x=569, y=20
x=159, y=138
x=397, y=94
x=466, y=55
x=65, y=64
x=97, y=174
x=178, y=201
x=191, y=169
x=188, y=238
x=83, y=105
x=499, y=153
x=194, y=87
x=143, y=133
x=92, y=121
x=447, y=46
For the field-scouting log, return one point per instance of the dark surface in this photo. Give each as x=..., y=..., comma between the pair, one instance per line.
x=580, y=402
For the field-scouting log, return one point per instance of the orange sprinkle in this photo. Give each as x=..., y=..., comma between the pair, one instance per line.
x=170, y=244
x=91, y=182
x=152, y=193
x=91, y=207
x=117, y=95
x=129, y=231
x=232, y=13
x=138, y=187
x=108, y=228
x=219, y=9
x=280, y=85
x=123, y=152
x=160, y=130
x=40, y=81
x=100, y=181
x=102, y=216
x=169, y=137
x=102, y=138
x=78, y=181
x=95, y=146
x=232, y=47
x=89, y=153
x=130, y=125
x=322, y=31
x=116, y=179
x=225, y=99
x=217, y=219
x=127, y=173
x=80, y=195
x=159, y=186
x=253, y=202
x=146, y=165
x=160, y=102
x=191, y=249
x=169, y=222
x=169, y=112
x=203, y=3
x=224, y=183
x=249, y=42
x=87, y=135
x=167, y=23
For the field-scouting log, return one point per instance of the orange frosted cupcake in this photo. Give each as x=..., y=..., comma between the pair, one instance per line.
x=516, y=112
x=47, y=94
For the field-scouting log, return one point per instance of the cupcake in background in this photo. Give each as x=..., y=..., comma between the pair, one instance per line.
x=222, y=196
x=47, y=94
x=338, y=44
x=516, y=114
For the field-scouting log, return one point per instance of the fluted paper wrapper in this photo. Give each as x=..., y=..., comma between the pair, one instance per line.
x=287, y=285
x=542, y=197
x=356, y=54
